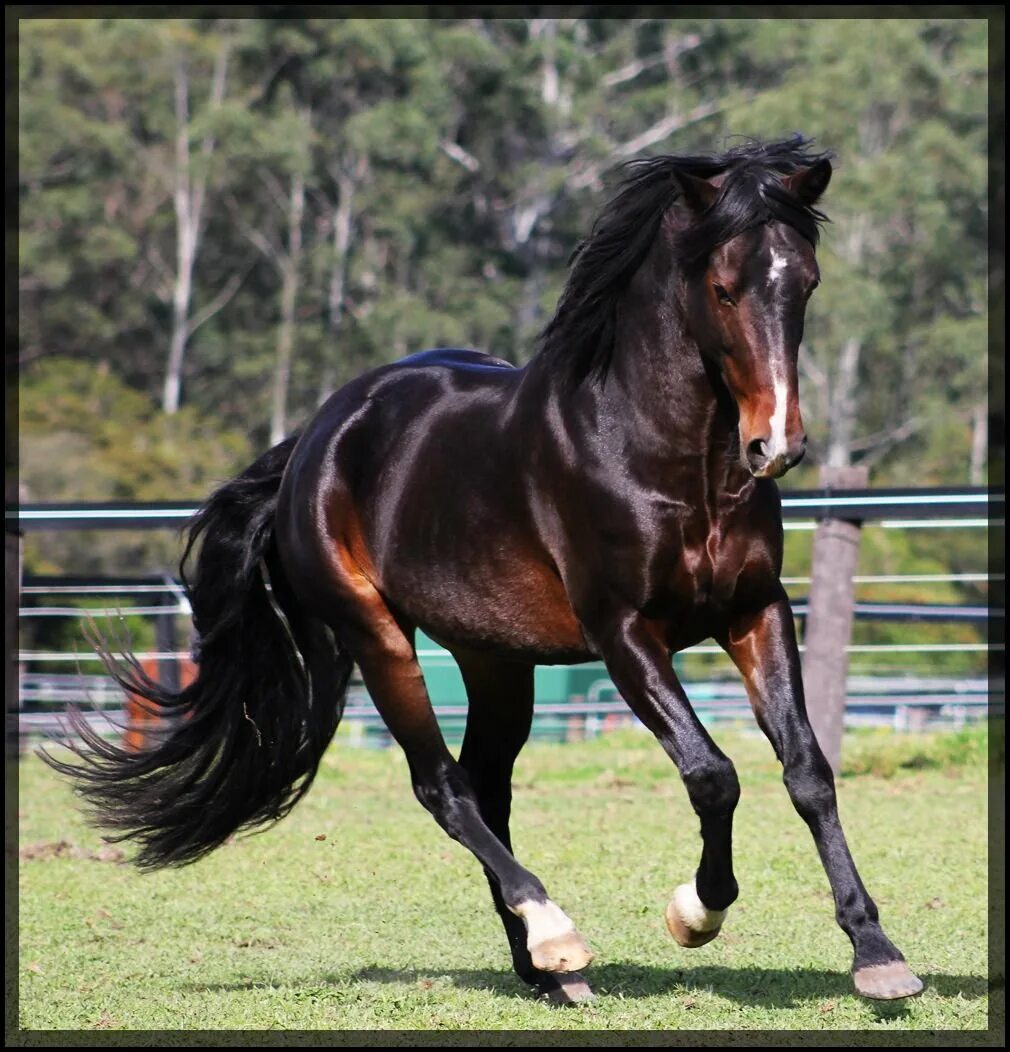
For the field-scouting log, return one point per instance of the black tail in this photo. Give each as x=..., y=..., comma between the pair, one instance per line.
x=247, y=735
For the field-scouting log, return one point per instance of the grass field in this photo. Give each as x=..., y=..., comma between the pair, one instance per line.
x=358, y=913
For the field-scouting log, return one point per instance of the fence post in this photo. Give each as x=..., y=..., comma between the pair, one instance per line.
x=828, y=628
x=12, y=602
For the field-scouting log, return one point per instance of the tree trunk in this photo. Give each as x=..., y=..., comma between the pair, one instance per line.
x=189, y=195
x=172, y=392
x=289, y=302
x=185, y=254
x=342, y=224
x=979, y=444
x=844, y=408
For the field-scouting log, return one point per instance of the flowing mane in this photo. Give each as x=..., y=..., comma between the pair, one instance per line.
x=580, y=336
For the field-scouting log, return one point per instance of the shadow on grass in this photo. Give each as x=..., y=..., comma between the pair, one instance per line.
x=768, y=988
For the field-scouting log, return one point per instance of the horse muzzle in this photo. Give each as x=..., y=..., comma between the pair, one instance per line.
x=765, y=461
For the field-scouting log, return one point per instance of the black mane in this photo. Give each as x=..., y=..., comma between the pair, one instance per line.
x=580, y=336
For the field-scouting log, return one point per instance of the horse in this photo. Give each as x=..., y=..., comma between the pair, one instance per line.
x=613, y=499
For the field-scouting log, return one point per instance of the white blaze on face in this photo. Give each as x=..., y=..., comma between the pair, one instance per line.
x=778, y=421
x=775, y=270
x=780, y=387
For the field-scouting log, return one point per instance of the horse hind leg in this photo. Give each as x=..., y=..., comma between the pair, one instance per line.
x=500, y=694
x=386, y=657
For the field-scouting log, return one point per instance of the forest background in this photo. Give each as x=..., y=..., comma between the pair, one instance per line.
x=221, y=220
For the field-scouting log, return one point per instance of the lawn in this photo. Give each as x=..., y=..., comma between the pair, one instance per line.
x=357, y=912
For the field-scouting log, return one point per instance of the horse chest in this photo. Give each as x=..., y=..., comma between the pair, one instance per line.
x=707, y=570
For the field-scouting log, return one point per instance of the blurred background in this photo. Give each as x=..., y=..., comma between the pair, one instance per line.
x=222, y=220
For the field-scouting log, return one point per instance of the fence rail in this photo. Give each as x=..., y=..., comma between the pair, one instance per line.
x=960, y=503
x=906, y=702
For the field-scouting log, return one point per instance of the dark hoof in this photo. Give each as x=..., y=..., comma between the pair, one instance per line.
x=886, y=982
x=565, y=989
x=684, y=935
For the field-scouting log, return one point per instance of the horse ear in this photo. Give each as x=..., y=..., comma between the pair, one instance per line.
x=697, y=194
x=809, y=183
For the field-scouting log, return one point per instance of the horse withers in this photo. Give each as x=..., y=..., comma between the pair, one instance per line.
x=613, y=499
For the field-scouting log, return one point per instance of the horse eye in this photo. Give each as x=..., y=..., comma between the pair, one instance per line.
x=724, y=297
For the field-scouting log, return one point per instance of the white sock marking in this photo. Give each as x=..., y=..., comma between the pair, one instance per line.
x=692, y=910
x=543, y=920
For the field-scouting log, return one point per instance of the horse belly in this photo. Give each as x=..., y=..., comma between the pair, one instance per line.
x=512, y=606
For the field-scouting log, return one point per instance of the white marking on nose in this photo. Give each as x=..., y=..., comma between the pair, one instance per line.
x=778, y=420
x=775, y=270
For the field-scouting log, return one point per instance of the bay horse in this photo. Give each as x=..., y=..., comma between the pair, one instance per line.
x=614, y=499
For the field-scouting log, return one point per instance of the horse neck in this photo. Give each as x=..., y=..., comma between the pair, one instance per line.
x=670, y=406
x=659, y=404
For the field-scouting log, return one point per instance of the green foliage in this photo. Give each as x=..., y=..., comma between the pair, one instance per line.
x=85, y=435
x=467, y=157
x=885, y=754
x=474, y=150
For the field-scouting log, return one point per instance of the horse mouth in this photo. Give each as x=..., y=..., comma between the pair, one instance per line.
x=776, y=467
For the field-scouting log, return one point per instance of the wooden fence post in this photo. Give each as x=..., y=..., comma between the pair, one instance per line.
x=828, y=629
x=12, y=602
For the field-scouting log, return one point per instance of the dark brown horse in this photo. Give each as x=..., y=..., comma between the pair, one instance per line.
x=613, y=499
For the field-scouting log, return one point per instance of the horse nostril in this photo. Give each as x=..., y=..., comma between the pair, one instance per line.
x=757, y=451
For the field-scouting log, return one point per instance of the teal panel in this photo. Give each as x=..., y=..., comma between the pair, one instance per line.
x=552, y=683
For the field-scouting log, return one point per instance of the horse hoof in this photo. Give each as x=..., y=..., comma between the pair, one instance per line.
x=561, y=953
x=887, y=982
x=568, y=989
x=690, y=923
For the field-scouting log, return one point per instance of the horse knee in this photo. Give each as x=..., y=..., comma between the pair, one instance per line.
x=714, y=788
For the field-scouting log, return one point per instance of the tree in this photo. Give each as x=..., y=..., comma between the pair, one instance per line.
x=250, y=212
x=189, y=196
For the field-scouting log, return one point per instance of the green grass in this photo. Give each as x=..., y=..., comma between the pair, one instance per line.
x=386, y=923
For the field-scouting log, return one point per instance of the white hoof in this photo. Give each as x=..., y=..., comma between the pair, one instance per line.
x=553, y=943
x=690, y=922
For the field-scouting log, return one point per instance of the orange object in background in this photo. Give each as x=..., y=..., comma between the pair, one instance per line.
x=140, y=720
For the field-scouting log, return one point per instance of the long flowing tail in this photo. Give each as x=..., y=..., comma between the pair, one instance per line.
x=247, y=735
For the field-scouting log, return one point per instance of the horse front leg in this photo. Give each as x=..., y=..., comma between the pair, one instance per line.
x=639, y=665
x=763, y=646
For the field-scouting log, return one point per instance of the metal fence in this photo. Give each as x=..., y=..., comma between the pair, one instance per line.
x=571, y=703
